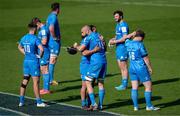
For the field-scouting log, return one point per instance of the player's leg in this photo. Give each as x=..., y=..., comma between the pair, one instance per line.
x=148, y=95
x=83, y=95
x=36, y=92
x=134, y=94
x=46, y=84
x=146, y=80
x=124, y=72
x=35, y=73
x=54, y=52
x=121, y=56
x=92, y=73
x=101, y=86
x=91, y=94
x=53, y=60
x=101, y=93
x=23, y=89
x=24, y=82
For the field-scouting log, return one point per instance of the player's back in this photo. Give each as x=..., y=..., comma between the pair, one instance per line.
x=137, y=52
x=30, y=42
x=100, y=56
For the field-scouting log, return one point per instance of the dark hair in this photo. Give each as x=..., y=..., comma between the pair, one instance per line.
x=118, y=12
x=35, y=20
x=31, y=26
x=140, y=33
x=92, y=27
x=55, y=6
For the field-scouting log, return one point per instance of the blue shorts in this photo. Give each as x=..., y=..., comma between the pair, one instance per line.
x=140, y=74
x=121, y=52
x=97, y=71
x=54, y=47
x=31, y=68
x=45, y=59
x=83, y=70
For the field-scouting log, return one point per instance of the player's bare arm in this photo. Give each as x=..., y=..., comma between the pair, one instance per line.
x=79, y=47
x=148, y=63
x=21, y=49
x=89, y=52
x=52, y=31
x=41, y=50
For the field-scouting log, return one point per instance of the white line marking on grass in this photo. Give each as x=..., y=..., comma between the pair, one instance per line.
x=17, y=112
x=149, y=3
x=57, y=103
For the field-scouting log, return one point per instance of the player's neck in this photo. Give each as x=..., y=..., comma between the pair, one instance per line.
x=32, y=32
x=54, y=12
x=137, y=39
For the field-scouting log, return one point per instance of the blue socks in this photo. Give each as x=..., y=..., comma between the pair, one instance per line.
x=51, y=72
x=147, y=95
x=134, y=96
x=101, y=96
x=21, y=99
x=46, y=81
x=92, y=98
x=83, y=102
x=38, y=100
x=124, y=82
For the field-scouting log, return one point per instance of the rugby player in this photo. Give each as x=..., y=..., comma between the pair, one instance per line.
x=54, y=39
x=122, y=29
x=28, y=46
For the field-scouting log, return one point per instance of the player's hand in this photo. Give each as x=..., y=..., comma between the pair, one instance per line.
x=75, y=45
x=112, y=41
x=150, y=71
x=96, y=49
x=101, y=37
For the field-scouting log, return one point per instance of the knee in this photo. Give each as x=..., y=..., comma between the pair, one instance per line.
x=101, y=85
x=52, y=60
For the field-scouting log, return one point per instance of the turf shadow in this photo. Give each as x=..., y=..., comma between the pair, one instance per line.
x=169, y=104
x=112, y=74
x=68, y=81
x=126, y=102
x=67, y=88
x=161, y=81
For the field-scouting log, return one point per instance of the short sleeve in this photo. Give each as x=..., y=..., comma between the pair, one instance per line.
x=52, y=20
x=85, y=41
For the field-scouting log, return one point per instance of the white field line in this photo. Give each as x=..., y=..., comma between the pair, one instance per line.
x=14, y=111
x=56, y=103
x=149, y=3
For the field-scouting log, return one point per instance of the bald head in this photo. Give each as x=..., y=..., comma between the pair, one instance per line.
x=85, y=30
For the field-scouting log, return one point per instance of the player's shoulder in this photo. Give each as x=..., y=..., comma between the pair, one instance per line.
x=124, y=23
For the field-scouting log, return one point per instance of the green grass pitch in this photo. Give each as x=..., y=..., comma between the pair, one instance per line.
x=159, y=18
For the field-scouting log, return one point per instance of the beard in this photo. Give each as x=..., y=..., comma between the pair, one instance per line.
x=118, y=20
x=83, y=36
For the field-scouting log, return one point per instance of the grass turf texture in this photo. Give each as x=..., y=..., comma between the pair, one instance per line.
x=159, y=19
